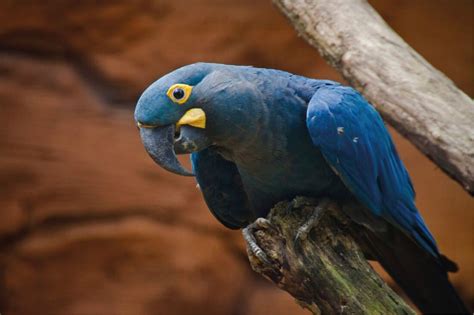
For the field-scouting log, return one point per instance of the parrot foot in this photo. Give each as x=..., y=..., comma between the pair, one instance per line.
x=313, y=220
x=249, y=237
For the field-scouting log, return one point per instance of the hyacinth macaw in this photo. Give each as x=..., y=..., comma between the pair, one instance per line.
x=259, y=136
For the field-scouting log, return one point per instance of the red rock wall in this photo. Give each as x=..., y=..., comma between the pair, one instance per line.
x=89, y=225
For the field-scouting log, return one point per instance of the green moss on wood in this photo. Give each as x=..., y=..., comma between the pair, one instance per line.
x=326, y=271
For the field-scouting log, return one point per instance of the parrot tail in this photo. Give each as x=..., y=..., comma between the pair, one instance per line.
x=422, y=276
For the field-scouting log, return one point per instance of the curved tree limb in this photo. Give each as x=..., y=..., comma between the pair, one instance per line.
x=305, y=247
x=414, y=97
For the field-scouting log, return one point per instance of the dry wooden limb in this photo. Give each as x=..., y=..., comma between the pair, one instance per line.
x=414, y=97
x=305, y=247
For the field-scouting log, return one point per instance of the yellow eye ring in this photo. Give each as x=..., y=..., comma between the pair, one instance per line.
x=179, y=93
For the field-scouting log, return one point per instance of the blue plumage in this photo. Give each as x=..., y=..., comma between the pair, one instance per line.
x=222, y=188
x=270, y=135
x=354, y=141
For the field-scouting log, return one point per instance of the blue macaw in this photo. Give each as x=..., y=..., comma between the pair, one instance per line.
x=259, y=136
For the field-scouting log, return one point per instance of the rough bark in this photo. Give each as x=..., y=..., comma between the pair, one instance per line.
x=418, y=100
x=305, y=248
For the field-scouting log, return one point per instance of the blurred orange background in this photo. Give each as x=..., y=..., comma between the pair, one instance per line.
x=89, y=225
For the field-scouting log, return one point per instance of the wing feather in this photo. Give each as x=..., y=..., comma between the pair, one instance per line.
x=221, y=186
x=354, y=141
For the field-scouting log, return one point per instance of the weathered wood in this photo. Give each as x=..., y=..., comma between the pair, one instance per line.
x=414, y=97
x=305, y=248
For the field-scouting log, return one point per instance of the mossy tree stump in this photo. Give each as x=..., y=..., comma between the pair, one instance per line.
x=305, y=247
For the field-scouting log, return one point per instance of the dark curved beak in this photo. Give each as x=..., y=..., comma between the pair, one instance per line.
x=159, y=143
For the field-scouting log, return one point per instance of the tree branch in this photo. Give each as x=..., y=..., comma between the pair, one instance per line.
x=305, y=247
x=414, y=97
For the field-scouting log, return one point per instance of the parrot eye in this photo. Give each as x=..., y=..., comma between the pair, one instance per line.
x=179, y=93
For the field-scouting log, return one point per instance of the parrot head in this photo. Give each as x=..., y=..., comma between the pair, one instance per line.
x=190, y=109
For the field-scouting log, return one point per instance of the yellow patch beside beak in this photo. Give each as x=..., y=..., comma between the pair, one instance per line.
x=140, y=125
x=194, y=117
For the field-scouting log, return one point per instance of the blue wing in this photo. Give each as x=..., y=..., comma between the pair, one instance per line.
x=354, y=141
x=221, y=185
